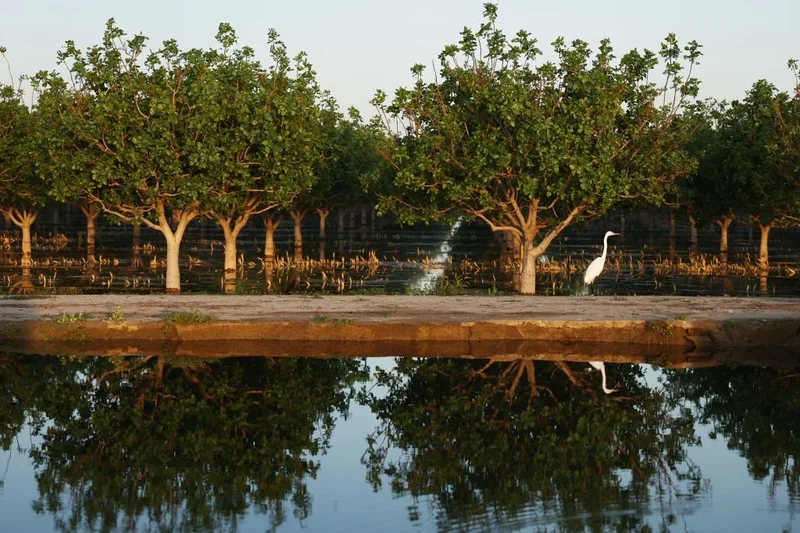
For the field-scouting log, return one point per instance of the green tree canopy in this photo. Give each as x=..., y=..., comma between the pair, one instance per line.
x=527, y=147
x=176, y=134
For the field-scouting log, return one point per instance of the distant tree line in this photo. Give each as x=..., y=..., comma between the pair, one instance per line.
x=161, y=138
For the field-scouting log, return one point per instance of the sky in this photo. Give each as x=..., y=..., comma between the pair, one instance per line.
x=359, y=46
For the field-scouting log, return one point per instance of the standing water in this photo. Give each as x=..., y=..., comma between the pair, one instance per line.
x=429, y=445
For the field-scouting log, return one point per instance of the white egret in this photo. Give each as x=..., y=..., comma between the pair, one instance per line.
x=596, y=266
x=599, y=365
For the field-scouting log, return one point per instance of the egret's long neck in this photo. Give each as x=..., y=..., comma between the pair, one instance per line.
x=605, y=247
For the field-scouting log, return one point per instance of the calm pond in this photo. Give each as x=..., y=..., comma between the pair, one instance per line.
x=383, y=444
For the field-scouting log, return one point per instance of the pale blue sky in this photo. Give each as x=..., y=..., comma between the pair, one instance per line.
x=358, y=46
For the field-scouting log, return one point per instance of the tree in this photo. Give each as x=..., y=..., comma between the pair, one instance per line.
x=264, y=141
x=752, y=139
x=68, y=160
x=529, y=149
x=351, y=156
x=133, y=114
x=22, y=191
x=178, y=134
x=709, y=194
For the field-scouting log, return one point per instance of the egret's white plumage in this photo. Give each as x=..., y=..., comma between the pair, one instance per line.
x=596, y=266
x=599, y=365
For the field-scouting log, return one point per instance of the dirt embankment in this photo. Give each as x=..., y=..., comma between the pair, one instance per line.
x=579, y=328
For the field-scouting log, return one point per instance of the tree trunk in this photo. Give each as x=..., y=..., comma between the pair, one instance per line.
x=183, y=217
x=724, y=223
x=7, y=220
x=91, y=212
x=671, y=236
x=323, y=217
x=763, y=247
x=340, y=224
x=173, y=266
x=297, y=216
x=271, y=223
x=136, y=260
x=27, y=256
x=231, y=228
x=55, y=220
x=351, y=222
x=527, y=284
x=363, y=232
x=269, y=270
x=24, y=219
x=692, y=236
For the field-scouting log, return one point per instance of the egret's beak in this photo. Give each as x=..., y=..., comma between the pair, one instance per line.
x=612, y=233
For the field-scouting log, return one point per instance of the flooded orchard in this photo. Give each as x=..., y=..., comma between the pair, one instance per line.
x=363, y=253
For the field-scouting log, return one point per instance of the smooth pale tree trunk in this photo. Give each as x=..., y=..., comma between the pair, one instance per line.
x=297, y=216
x=692, y=236
x=271, y=223
x=231, y=228
x=526, y=234
x=136, y=260
x=763, y=247
x=527, y=283
x=27, y=255
x=724, y=223
x=323, y=217
x=24, y=219
x=91, y=212
x=173, y=238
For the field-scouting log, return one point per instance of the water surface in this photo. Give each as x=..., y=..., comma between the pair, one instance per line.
x=383, y=444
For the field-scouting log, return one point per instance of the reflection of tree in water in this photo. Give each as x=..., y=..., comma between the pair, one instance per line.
x=756, y=409
x=182, y=444
x=512, y=440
